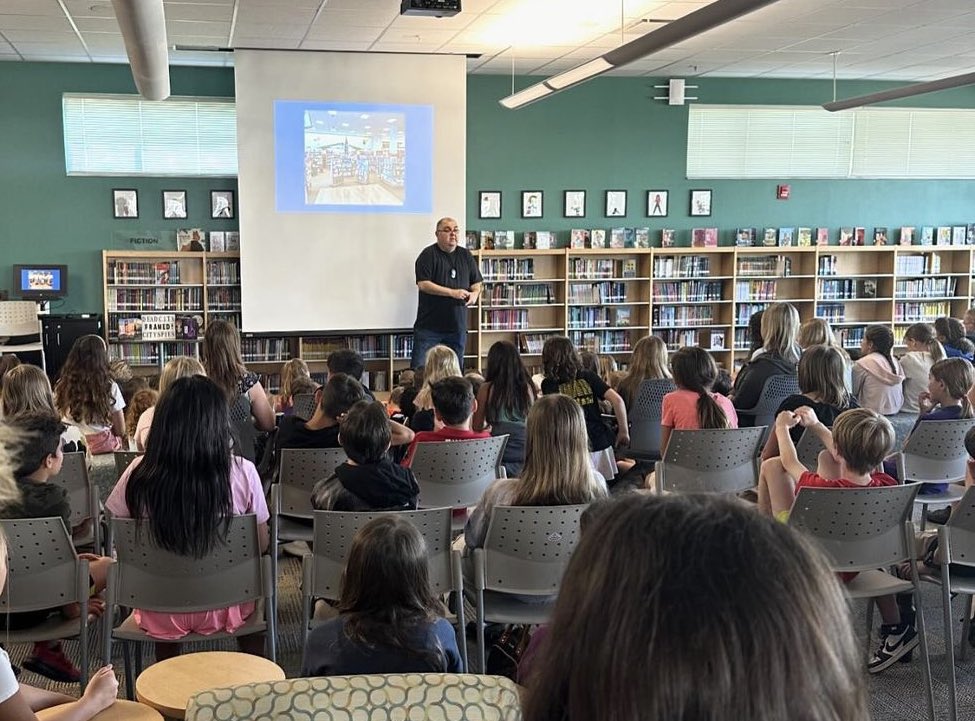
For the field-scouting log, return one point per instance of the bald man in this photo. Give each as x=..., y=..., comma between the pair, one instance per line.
x=448, y=281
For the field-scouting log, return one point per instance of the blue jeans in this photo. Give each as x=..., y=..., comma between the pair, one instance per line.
x=424, y=340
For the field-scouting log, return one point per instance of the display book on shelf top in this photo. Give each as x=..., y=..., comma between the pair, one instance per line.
x=606, y=299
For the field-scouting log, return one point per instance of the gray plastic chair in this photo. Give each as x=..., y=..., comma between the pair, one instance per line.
x=935, y=453
x=645, y=417
x=808, y=449
x=525, y=553
x=123, y=459
x=242, y=428
x=149, y=578
x=304, y=405
x=44, y=572
x=716, y=460
x=456, y=473
x=290, y=507
x=776, y=389
x=865, y=529
x=956, y=544
x=82, y=497
x=322, y=570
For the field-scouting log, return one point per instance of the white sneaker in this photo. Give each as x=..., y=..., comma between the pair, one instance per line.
x=296, y=548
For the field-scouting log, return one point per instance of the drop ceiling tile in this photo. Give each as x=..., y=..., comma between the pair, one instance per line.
x=33, y=22
x=401, y=47
x=421, y=37
x=203, y=12
x=550, y=52
x=212, y=29
x=204, y=41
x=415, y=22
x=336, y=45
x=99, y=43
x=258, y=41
x=31, y=7
x=88, y=8
x=41, y=36
x=97, y=25
x=326, y=33
x=358, y=18
x=271, y=33
x=275, y=15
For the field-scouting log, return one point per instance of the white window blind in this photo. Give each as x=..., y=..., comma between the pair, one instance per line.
x=126, y=135
x=748, y=141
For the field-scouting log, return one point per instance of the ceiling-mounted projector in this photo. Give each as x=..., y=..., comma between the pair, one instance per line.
x=430, y=8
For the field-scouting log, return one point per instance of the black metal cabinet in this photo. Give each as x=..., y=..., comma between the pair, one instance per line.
x=60, y=333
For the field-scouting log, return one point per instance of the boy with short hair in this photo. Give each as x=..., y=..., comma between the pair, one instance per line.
x=855, y=448
x=38, y=459
x=453, y=409
x=368, y=480
x=348, y=361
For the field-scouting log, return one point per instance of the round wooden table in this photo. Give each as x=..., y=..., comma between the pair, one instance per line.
x=118, y=711
x=167, y=686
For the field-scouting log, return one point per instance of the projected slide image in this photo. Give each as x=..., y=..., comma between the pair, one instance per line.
x=354, y=158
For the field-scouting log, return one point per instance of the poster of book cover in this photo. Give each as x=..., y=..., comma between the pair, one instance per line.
x=822, y=236
x=668, y=237
x=770, y=238
x=578, y=237
x=617, y=238
x=597, y=238
x=859, y=235
x=642, y=237
x=927, y=235
x=487, y=240
x=880, y=236
x=846, y=236
x=786, y=237
x=745, y=237
x=907, y=235
x=804, y=237
x=944, y=235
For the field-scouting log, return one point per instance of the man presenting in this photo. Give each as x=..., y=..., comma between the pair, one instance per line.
x=449, y=281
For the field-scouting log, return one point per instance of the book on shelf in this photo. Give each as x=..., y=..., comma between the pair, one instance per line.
x=628, y=269
x=907, y=235
x=642, y=239
x=846, y=235
x=504, y=239
x=704, y=238
x=544, y=240
x=596, y=238
x=745, y=237
x=668, y=237
x=717, y=340
x=959, y=233
x=472, y=240
x=786, y=237
x=804, y=237
x=944, y=235
x=218, y=243
x=191, y=239
x=970, y=234
x=770, y=237
x=530, y=239
x=232, y=239
x=859, y=235
x=487, y=239
x=629, y=237
x=129, y=328
x=578, y=238
x=621, y=317
x=617, y=238
x=822, y=236
x=927, y=235
x=158, y=326
x=162, y=273
x=880, y=236
x=188, y=326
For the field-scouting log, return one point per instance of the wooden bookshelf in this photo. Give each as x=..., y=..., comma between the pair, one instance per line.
x=604, y=299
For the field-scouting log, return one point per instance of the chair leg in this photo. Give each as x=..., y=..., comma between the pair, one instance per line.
x=461, y=628
x=129, y=676
x=923, y=642
x=272, y=637
x=275, y=549
x=481, y=651
x=138, y=658
x=869, y=628
x=965, y=627
x=949, y=650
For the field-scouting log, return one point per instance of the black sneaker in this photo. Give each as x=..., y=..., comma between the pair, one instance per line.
x=894, y=646
x=939, y=516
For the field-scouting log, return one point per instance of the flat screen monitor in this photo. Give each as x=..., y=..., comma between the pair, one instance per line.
x=40, y=281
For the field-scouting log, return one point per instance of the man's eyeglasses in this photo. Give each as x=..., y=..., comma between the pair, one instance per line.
x=449, y=230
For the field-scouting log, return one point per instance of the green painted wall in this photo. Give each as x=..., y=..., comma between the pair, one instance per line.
x=47, y=217
x=605, y=134
x=610, y=134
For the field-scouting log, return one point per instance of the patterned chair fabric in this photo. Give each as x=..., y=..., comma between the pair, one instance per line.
x=350, y=698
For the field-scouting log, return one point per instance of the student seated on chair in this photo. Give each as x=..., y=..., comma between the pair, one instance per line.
x=779, y=356
x=19, y=702
x=878, y=377
x=368, y=480
x=390, y=621
x=39, y=459
x=187, y=487
x=856, y=446
x=671, y=606
x=453, y=407
x=26, y=389
x=88, y=398
x=295, y=379
x=180, y=366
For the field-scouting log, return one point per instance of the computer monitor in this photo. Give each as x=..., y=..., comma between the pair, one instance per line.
x=40, y=281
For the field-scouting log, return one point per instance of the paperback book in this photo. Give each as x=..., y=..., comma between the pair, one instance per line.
x=771, y=237
x=745, y=237
x=617, y=237
x=927, y=235
x=880, y=236
x=218, y=243
x=907, y=235
x=846, y=236
x=786, y=236
x=804, y=237
x=487, y=240
x=471, y=239
x=959, y=233
x=822, y=236
x=859, y=235
x=232, y=239
x=529, y=240
x=544, y=240
x=504, y=239
x=944, y=235
x=597, y=238
x=642, y=237
x=629, y=237
x=668, y=237
x=578, y=238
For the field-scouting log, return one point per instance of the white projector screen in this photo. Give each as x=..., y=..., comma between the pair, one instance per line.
x=346, y=161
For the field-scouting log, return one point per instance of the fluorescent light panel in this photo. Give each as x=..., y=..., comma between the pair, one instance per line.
x=707, y=18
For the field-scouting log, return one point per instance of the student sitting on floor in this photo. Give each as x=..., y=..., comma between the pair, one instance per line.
x=390, y=621
x=453, y=407
x=368, y=480
x=38, y=460
x=856, y=446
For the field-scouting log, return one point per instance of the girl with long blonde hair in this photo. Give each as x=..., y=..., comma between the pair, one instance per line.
x=647, y=362
x=291, y=371
x=778, y=356
x=441, y=362
x=923, y=351
x=180, y=366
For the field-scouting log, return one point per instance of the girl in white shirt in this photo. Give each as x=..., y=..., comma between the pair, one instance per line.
x=923, y=350
x=88, y=398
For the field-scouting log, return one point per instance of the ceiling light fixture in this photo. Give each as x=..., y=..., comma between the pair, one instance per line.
x=708, y=17
x=907, y=91
x=143, y=27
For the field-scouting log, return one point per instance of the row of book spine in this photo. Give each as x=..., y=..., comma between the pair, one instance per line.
x=687, y=290
x=518, y=294
x=157, y=353
x=605, y=341
x=926, y=288
x=513, y=319
x=223, y=272
x=670, y=316
x=139, y=272
x=508, y=268
x=605, y=292
x=264, y=350
x=156, y=299
x=682, y=266
x=755, y=290
x=920, y=312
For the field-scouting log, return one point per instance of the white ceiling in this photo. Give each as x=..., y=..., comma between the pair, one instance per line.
x=877, y=39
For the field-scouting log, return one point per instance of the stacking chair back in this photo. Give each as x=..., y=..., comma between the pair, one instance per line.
x=776, y=389
x=304, y=405
x=645, y=417
x=82, y=497
x=456, y=473
x=808, y=449
x=722, y=460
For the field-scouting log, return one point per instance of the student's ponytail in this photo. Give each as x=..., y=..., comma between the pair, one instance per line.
x=958, y=376
x=695, y=370
x=882, y=340
x=924, y=334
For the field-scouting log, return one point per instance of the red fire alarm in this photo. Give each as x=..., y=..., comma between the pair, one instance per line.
x=782, y=192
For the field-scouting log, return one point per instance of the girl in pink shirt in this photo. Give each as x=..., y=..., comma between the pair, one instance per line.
x=693, y=405
x=187, y=487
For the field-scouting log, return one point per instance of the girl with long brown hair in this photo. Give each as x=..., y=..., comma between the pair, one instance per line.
x=88, y=398
x=694, y=405
x=647, y=362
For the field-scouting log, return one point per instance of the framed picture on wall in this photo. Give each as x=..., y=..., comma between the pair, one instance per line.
x=174, y=203
x=489, y=204
x=531, y=203
x=222, y=204
x=615, y=203
x=574, y=204
x=657, y=201
x=125, y=203
x=700, y=202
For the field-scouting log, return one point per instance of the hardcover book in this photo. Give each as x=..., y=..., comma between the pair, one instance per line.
x=629, y=268
x=504, y=239
x=710, y=237
x=578, y=238
x=859, y=235
x=880, y=236
x=642, y=237
x=745, y=237
x=907, y=235
x=544, y=240
x=191, y=239
x=804, y=237
x=487, y=240
x=786, y=236
x=217, y=242
x=668, y=238
x=629, y=237
x=927, y=235
x=472, y=240
x=944, y=235
x=959, y=234
x=161, y=274
x=970, y=236
x=617, y=237
x=771, y=237
x=846, y=236
x=530, y=237
x=597, y=237
x=621, y=317
x=717, y=340
x=232, y=238
x=697, y=238
x=822, y=236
